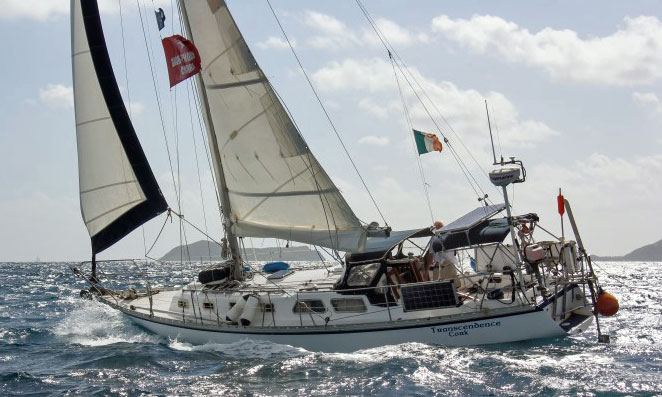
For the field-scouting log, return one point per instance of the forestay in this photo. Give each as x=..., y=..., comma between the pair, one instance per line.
x=275, y=185
x=118, y=191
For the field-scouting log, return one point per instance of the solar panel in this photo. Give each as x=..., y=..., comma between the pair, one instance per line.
x=473, y=218
x=429, y=296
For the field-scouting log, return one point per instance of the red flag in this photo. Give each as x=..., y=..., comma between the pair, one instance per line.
x=560, y=203
x=182, y=58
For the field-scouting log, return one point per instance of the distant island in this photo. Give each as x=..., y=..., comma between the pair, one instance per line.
x=211, y=251
x=649, y=253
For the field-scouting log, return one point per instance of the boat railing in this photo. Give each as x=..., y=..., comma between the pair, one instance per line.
x=475, y=288
x=387, y=292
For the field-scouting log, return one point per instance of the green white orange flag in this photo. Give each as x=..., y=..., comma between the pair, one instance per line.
x=426, y=143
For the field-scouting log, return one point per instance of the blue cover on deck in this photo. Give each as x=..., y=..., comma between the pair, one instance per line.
x=273, y=267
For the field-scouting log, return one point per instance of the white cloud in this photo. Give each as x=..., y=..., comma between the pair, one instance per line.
x=275, y=43
x=360, y=74
x=135, y=108
x=630, y=55
x=464, y=109
x=334, y=34
x=648, y=101
x=375, y=140
x=324, y=23
x=607, y=194
x=57, y=96
x=42, y=10
x=395, y=34
x=380, y=110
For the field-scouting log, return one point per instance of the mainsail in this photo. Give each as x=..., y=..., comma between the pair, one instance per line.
x=276, y=187
x=118, y=191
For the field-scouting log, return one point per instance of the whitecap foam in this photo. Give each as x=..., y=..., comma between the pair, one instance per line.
x=91, y=323
x=383, y=353
x=246, y=348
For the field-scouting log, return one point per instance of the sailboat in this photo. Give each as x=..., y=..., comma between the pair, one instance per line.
x=271, y=185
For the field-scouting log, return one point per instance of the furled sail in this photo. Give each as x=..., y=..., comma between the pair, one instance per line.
x=118, y=191
x=275, y=185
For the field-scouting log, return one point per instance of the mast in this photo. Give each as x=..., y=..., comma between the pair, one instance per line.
x=237, y=263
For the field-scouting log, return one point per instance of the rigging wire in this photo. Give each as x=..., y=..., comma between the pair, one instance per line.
x=175, y=129
x=205, y=144
x=195, y=227
x=126, y=70
x=201, y=124
x=319, y=100
x=415, y=152
x=391, y=49
x=253, y=248
x=322, y=197
x=197, y=164
x=496, y=126
x=158, y=96
x=165, y=221
x=128, y=98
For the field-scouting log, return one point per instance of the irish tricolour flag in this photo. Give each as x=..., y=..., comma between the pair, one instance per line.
x=426, y=143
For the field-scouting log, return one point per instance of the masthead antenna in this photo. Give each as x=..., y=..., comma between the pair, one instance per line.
x=490, y=127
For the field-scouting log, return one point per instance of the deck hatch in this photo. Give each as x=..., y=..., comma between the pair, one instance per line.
x=429, y=296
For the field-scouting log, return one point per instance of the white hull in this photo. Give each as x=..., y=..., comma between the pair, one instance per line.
x=499, y=329
x=209, y=316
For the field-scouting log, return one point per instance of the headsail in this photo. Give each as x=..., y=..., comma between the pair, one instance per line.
x=275, y=185
x=118, y=191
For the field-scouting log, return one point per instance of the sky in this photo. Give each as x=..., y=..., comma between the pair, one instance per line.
x=574, y=90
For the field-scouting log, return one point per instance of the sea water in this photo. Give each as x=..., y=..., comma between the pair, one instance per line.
x=52, y=342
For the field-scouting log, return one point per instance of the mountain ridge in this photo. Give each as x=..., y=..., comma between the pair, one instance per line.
x=649, y=252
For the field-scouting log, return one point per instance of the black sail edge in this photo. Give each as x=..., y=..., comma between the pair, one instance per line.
x=155, y=203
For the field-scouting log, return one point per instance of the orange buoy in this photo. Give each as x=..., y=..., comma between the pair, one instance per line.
x=607, y=304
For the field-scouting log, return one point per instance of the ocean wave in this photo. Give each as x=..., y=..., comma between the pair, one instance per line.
x=90, y=323
x=246, y=348
x=53, y=342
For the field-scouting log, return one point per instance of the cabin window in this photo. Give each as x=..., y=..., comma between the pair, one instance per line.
x=208, y=305
x=355, y=305
x=309, y=306
x=267, y=307
x=361, y=276
x=182, y=304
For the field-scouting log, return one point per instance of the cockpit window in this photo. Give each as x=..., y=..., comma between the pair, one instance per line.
x=362, y=275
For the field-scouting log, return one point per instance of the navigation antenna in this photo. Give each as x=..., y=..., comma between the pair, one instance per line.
x=491, y=138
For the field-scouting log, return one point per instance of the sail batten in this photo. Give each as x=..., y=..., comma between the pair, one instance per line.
x=275, y=185
x=118, y=191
